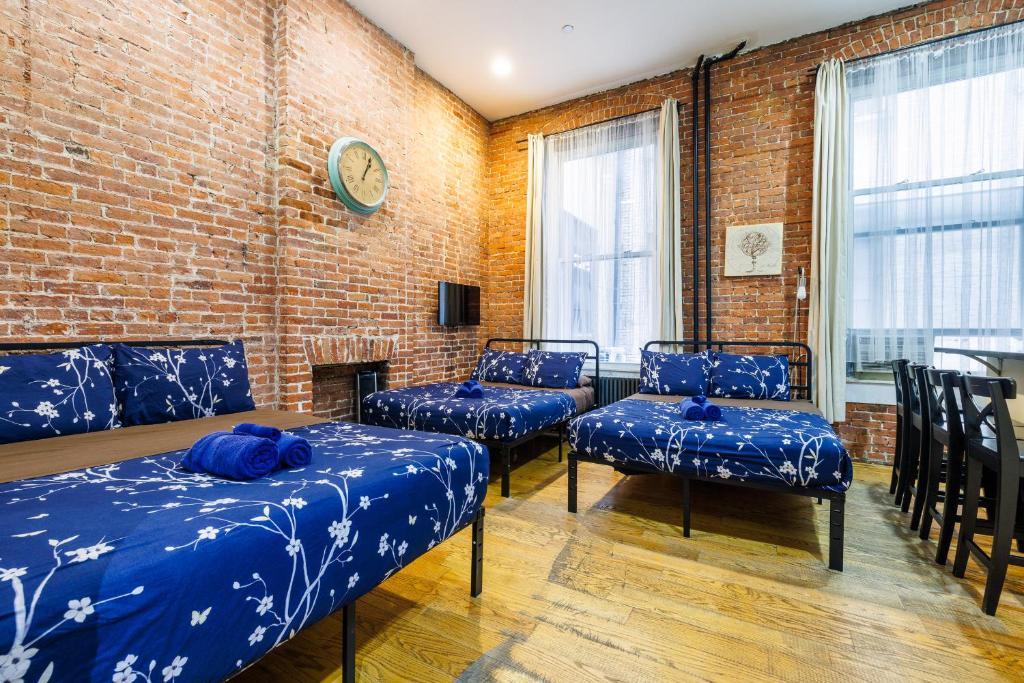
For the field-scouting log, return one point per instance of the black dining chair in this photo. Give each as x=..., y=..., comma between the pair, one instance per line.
x=923, y=412
x=900, y=481
x=914, y=474
x=946, y=457
x=991, y=446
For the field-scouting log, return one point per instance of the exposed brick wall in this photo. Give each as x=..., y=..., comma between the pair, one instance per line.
x=339, y=272
x=162, y=173
x=135, y=197
x=762, y=149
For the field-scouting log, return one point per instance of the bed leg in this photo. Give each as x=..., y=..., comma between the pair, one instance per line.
x=837, y=508
x=348, y=643
x=573, y=464
x=506, y=466
x=686, y=507
x=561, y=438
x=476, y=584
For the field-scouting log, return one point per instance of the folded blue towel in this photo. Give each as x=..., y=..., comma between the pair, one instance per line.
x=712, y=412
x=272, y=433
x=231, y=456
x=700, y=408
x=293, y=451
x=691, y=410
x=470, y=389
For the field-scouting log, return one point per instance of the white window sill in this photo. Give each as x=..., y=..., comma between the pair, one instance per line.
x=609, y=369
x=864, y=391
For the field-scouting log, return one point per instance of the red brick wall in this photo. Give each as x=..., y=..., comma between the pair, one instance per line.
x=762, y=138
x=340, y=273
x=162, y=173
x=135, y=197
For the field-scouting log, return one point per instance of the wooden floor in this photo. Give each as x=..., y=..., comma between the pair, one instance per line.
x=616, y=593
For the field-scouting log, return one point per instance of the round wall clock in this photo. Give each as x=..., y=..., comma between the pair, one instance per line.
x=358, y=175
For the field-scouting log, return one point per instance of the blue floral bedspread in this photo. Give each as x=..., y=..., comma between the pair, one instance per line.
x=501, y=415
x=139, y=571
x=750, y=444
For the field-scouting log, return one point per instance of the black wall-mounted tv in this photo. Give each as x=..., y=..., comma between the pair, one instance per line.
x=457, y=304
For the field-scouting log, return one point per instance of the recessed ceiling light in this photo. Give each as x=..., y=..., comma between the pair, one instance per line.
x=501, y=66
x=568, y=28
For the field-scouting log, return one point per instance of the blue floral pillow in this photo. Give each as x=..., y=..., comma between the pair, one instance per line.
x=55, y=394
x=166, y=385
x=679, y=374
x=554, y=369
x=757, y=377
x=500, y=366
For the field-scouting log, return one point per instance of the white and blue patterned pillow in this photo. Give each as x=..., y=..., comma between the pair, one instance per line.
x=500, y=366
x=55, y=394
x=677, y=374
x=166, y=385
x=757, y=377
x=554, y=369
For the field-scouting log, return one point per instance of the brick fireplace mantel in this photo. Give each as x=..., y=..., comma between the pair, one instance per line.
x=349, y=349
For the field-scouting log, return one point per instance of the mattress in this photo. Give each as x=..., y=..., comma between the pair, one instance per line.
x=504, y=414
x=788, y=447
x=138, y=570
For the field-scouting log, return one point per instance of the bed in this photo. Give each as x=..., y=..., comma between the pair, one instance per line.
x=508, y=416
x=118, y=565
x=781, y=445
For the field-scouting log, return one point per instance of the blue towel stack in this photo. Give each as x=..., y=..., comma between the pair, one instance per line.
x=699, y=408
x=232, y=456
x=293, y=451
x=470, y=389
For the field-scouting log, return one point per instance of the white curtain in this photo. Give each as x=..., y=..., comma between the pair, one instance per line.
x=670, y=277
x=601, y=235
x=829, y=242
x=533, y=281
x=937, y=178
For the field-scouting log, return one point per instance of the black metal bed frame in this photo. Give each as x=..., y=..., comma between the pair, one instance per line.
x=348, y=612
x=506, y=448
x=837, y=499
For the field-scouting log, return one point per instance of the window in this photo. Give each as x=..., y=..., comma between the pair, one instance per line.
x=937, y=201
x=600, y=239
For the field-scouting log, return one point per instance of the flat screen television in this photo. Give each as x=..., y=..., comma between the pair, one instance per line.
x=457, y=304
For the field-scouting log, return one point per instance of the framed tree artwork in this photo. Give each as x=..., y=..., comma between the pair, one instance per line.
x=753, y=249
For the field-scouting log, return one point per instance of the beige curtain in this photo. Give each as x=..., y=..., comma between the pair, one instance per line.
x=829, y=242
x=670, y=278
x=533, y=281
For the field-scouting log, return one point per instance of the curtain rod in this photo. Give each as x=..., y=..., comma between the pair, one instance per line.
x=932, y=41
x=679, y=105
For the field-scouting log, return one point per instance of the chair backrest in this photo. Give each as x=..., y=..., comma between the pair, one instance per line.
x=942, y=387
x=899, y=376
x=986, y=415
x=916, y=383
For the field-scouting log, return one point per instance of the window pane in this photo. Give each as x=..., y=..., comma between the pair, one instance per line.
x=937, y=201
x=599, y=219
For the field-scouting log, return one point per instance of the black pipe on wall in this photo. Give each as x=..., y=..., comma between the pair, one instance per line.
x=708, y=335
x=695, y=83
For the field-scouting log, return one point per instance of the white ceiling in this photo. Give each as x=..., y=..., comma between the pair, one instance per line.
x=614, y=41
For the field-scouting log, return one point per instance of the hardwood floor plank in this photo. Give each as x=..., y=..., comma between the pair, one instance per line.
x=616, y=593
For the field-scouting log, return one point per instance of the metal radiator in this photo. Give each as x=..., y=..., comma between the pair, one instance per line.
x=617, y=388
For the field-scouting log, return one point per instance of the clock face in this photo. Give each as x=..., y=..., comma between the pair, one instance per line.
x=358, y=175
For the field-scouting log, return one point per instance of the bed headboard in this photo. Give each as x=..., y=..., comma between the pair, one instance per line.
x=801, y=359
x=535, y=343
x=18, y=347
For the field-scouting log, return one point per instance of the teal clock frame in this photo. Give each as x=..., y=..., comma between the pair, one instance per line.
x=337, y=149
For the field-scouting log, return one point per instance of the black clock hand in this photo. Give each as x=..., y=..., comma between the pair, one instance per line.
x=366, y=170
